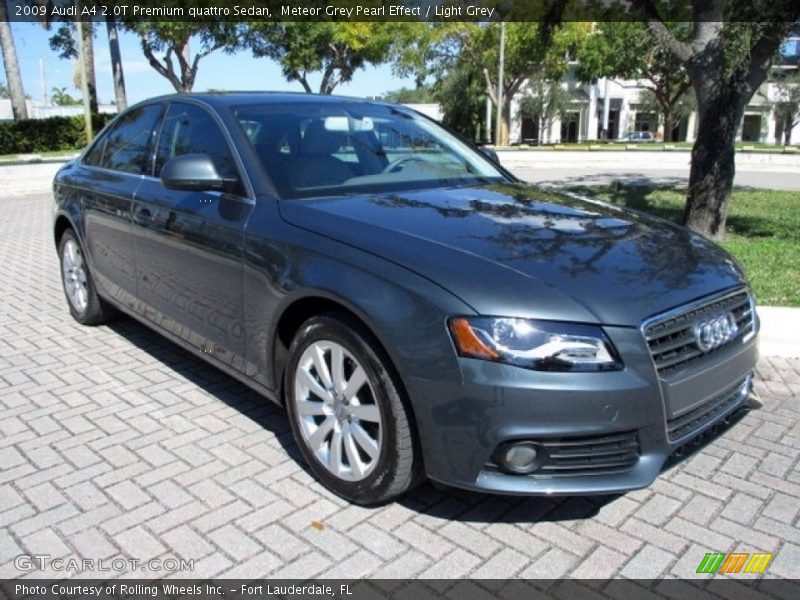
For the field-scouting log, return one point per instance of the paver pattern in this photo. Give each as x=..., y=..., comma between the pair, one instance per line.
x=115, y=443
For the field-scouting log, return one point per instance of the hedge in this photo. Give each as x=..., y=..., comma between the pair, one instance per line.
x=47, y=135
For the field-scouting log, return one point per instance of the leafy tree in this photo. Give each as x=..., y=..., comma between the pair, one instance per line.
x=530, y=49
x=626, y=49
x=405, y=95
x=787, y=104
x=171, y=40
x=683, y=107
x=336, y=49
x=461, y=92
x=64, y=41
x=15, y=89
x=544, y=101
x=727, y=60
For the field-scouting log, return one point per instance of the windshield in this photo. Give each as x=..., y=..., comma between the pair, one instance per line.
x=315, y=149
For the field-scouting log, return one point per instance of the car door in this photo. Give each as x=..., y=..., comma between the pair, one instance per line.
x=110, y=174
x=189, y=244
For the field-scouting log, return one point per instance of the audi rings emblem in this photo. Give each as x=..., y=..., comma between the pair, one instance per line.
x=713, y=332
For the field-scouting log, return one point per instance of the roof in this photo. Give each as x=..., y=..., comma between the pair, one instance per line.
x=266, y=97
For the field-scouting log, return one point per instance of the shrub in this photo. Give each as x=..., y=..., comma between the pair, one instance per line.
x=47, y=135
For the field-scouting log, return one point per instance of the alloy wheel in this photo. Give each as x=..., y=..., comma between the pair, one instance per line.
x=336, y=409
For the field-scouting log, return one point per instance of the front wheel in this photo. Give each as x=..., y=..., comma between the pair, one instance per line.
x=347, y=413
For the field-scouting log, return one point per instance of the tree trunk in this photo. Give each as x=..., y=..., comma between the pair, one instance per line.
x=787, y=134
x=667, y=125
x=116, y=64
x=13, y=77
x=505, y=122
x=88, y=59
x=720, y=110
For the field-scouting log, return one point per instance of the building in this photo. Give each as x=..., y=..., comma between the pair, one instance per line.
x=618, y=106
x=41, y=110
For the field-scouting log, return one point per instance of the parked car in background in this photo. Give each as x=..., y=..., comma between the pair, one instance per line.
x=417, y=310
x=639, y=137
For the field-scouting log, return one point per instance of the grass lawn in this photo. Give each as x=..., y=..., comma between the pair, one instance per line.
x=763, y=232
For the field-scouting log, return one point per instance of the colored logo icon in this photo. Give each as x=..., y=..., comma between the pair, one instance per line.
x=735, y=562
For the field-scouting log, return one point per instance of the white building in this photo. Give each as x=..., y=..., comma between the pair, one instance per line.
x=618, y=104
x=40, y=110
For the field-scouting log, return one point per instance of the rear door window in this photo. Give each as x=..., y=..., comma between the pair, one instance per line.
x=129, y=143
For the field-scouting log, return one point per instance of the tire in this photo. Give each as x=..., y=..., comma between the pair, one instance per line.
x=85, y=306
x=351, y=422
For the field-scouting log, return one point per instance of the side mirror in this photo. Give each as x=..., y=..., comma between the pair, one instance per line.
x=490, y=154
x=194, y=172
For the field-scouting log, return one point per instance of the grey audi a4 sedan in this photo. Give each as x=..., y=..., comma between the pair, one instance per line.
x=417, y=310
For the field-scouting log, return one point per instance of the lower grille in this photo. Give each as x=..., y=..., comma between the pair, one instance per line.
x=590, y=455
x=587, y=455
x=688, y=423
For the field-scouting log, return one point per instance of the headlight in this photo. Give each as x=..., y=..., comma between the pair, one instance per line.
x=539, y=345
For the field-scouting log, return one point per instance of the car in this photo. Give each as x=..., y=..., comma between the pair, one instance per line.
x=419, y=311
x=638, y=137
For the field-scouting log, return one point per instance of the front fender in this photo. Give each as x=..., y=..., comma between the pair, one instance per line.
x=406, y=312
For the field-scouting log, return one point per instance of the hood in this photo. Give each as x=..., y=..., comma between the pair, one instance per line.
x=513, y=249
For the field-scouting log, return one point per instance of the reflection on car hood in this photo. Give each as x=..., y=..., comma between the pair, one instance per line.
x=515, y=249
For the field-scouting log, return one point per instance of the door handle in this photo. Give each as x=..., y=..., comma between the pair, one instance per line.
x=142, y=216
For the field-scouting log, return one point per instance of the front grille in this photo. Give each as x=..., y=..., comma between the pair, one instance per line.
x=672, y=341
x=688, y=423
x=587, y=455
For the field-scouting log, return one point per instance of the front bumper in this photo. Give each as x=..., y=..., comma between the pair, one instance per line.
x=601, y=433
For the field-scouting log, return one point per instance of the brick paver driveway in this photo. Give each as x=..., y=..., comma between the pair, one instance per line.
x=115, y=443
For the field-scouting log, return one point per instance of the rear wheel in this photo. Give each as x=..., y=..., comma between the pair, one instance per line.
x=347, y=413
x=85, y=305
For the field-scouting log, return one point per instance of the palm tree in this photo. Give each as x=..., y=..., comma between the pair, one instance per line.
x=15, y=89
x=65, y=41
x=60, y=97
x=116, y=63
x=88, y=59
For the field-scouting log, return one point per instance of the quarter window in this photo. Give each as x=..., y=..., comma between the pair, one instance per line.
x=94, y=157
x=189, y=129
x=128, y=144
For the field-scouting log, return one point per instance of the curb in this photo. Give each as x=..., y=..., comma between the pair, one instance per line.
x=36, y=159
x=780, y=331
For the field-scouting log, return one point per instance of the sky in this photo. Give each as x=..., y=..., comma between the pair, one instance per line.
x=218, y=71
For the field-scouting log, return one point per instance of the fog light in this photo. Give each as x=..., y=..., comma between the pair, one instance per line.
x=519, y=458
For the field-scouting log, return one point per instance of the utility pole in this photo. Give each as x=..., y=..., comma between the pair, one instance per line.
x=488, y=135
x=498, y=129
x=43, y=82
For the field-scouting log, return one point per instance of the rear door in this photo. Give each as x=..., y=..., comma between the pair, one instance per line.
x=112, y=172
x=189, y=244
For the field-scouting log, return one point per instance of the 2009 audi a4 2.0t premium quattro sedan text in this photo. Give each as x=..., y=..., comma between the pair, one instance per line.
x=417, y=310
